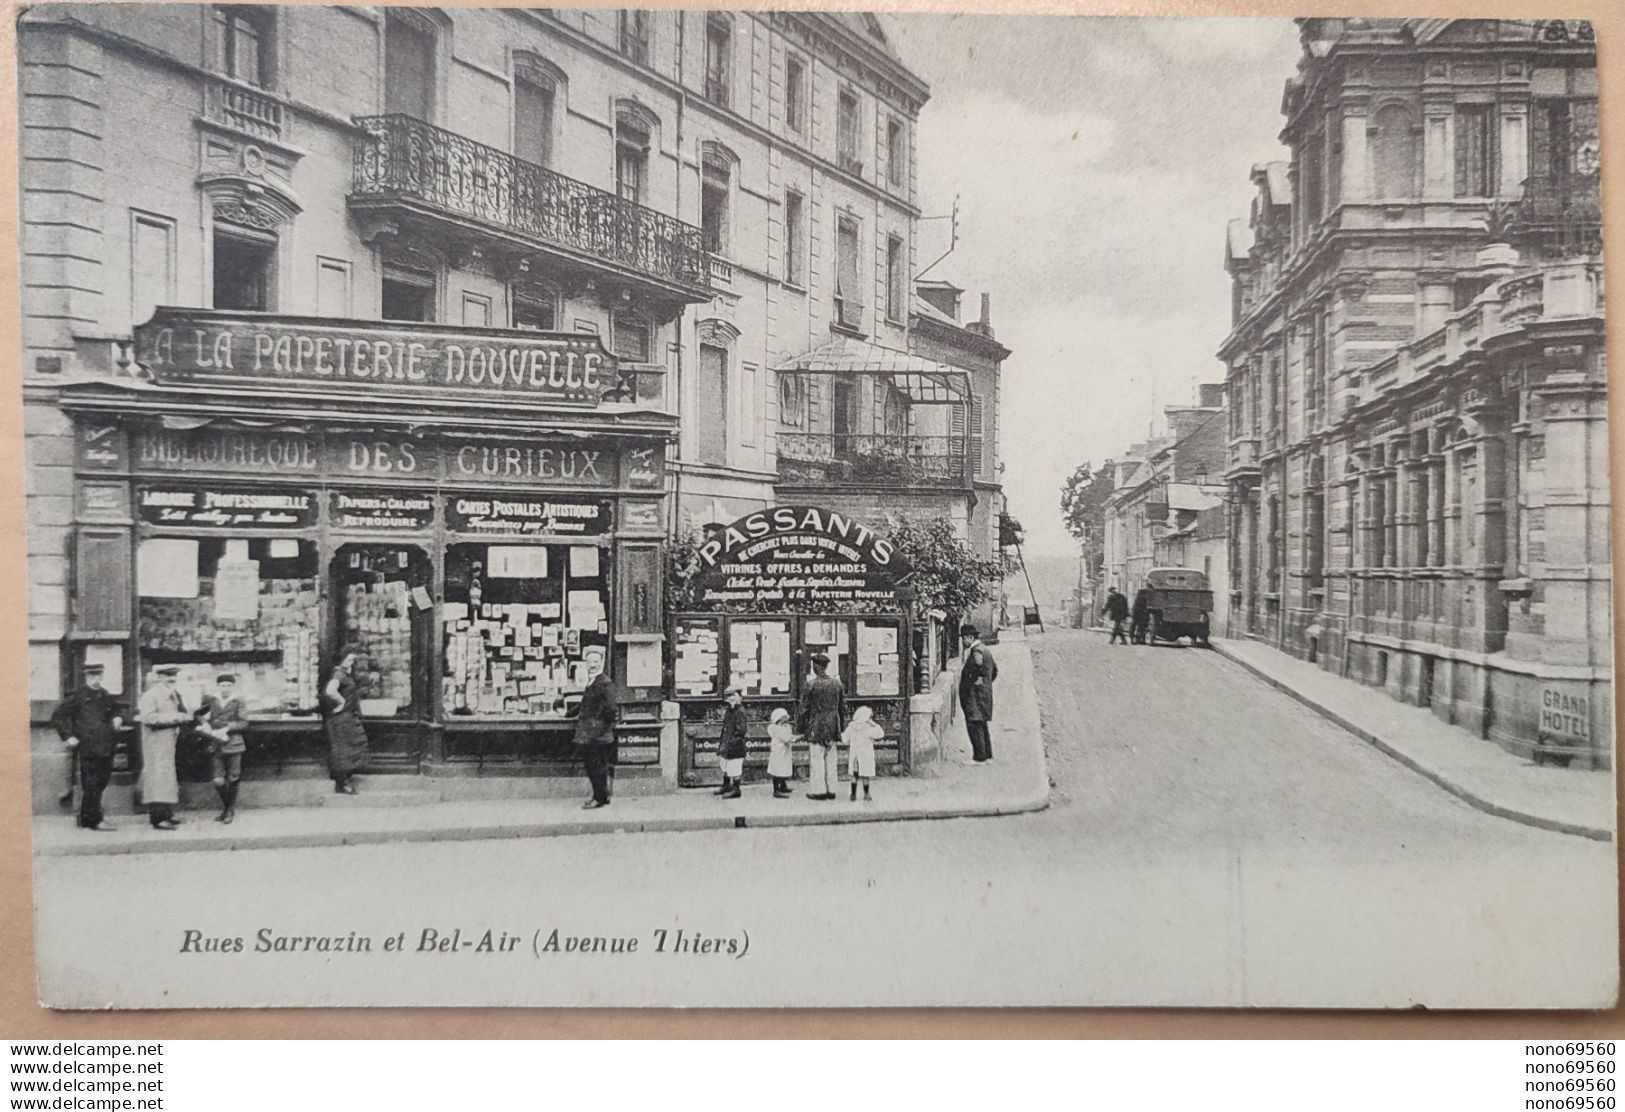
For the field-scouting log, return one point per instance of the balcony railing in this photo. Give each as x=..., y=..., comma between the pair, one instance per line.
x=818, y=459
x=244, y=108
x=403, y=158
x=1560, y=214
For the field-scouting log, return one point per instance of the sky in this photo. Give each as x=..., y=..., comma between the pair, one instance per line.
x=1096, y=162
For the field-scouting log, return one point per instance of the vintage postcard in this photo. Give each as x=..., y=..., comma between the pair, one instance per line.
x=770, y=508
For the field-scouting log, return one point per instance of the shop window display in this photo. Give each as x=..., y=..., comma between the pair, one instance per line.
x=384, y=608
x=219, y=604
x=525, y=626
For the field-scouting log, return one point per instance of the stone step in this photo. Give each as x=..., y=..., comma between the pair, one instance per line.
x=385, y=797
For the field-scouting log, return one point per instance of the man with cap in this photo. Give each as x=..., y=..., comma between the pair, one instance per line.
x=976, y=678
x=222, y=721
x=88, y=720
x=162, y=712
x=595, y=734
x=820, y=719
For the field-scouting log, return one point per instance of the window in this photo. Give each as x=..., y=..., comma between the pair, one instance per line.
x=533, y=105
x=409, y=64
x=242, y=42
x=896, y=154
x=332, y=287
x=848, y=132
x=1475, y=150
x=795, y=241
x=635, y=36
x=795, y=93
x=152, y=265
x=894, y=412
x=848, y=290
x=718, y=42
x=1309, y=172
x=792, y=400
x=715, y=181
x=408, y=294
x=711, y=405
x=976, y=436
x=476, y=310
x=896, y=285
x=243, y=270
x=631, y=159
x=1393, y=153
x=630, y=337
x=534, y=309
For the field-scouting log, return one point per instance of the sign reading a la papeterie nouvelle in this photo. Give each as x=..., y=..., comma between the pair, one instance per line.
x=220, y=348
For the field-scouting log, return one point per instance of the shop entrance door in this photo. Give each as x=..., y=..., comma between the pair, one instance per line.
x=383, y=608
x=768, y=657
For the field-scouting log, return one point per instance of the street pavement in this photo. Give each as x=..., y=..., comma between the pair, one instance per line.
x=1209, y=842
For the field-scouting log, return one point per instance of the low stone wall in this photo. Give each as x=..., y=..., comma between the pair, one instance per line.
x=930, y=716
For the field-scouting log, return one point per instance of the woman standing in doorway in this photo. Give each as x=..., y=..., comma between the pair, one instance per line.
x=346, y=739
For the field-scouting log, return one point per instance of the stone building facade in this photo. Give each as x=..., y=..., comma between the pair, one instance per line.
x=1418, y=462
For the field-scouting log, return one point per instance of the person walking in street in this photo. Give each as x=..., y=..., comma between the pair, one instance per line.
x=223, y=720
x=780, y=760
x=346, y=737
x=88, y=721
x=731, y=744
x=595, y=734
x=1117, y=611
x=860, y=736
x=1139, y=616
x=819, y=719
x=976, y=676
x=162, y=712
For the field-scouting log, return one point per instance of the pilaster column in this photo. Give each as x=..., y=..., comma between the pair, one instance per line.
x=1578, y=613
x=1438, y=146
x=1514, y=147
x=1436, y=511
x=1452, y=507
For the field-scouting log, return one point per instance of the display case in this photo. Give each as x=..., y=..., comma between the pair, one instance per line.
x=385, y=611
x=250, y=607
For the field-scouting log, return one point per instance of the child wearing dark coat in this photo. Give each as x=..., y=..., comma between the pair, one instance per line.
x=731, y=744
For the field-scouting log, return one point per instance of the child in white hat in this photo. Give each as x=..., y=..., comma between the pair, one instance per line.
x=860, y=736
x=779, y=735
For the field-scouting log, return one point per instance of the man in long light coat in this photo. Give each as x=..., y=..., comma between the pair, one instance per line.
x=162, y=712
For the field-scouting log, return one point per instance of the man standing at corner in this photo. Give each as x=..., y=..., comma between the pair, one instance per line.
x=595, y=734
x=88, y=721
x=820, y=719
x=976, y=676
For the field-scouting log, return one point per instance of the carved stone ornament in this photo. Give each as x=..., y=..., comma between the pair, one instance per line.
x=249, y=199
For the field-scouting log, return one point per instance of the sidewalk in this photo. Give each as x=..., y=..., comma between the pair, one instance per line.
x=1571, y=801
x=1016, y=781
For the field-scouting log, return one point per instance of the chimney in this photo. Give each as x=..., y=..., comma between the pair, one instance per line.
x=984, y=327
x=1210, y=395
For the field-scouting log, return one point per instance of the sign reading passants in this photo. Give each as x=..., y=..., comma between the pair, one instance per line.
x=219, y=348
x=795, y=557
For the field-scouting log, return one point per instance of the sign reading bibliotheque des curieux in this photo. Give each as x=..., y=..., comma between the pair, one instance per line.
x=797, y=557
x=487, y=364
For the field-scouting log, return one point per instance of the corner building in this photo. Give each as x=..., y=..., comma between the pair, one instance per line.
x=1418, y=446
x=421, y=329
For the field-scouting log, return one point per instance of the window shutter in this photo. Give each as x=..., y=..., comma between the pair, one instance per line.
x=976, y=432
x=101, y=581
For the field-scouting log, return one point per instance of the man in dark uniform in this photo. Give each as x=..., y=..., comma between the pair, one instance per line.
x=820, y=719
x=88, y=721
x=976, y=678
x=1140, y=616
x=1117, y=611
x=595, y=734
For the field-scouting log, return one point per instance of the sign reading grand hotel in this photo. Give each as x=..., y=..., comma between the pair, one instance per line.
x=178, y=345
x=791, y=557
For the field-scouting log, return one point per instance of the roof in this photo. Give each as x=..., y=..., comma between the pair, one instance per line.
x=1238, y=241
x=924, y=308
x=1276, y=182
x=866, y=26
x=924, y=380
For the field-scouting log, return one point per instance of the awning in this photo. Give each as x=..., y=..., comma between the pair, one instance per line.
x=925, y=381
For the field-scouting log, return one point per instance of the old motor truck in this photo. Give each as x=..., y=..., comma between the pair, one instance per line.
x=1179, y=602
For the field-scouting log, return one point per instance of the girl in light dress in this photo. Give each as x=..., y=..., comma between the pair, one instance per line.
x=780, y=734
x=860, y=736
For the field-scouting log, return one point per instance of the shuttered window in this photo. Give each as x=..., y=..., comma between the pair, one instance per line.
x=408, y=66
x=1475, y=150
x=101, y=578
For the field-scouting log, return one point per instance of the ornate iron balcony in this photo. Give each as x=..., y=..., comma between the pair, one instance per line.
x=1560, y=215
x=838, y=459
x=403, y=158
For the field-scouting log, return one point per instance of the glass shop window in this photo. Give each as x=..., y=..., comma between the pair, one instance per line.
x=525, y=625
x=384, y=609
x=226, y=604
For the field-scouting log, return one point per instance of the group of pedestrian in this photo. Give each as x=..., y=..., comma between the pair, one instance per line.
x=90, y=719
x=1137, y=614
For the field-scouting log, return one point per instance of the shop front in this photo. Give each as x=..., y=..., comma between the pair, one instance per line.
x=770, y=591
x=485, y=555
